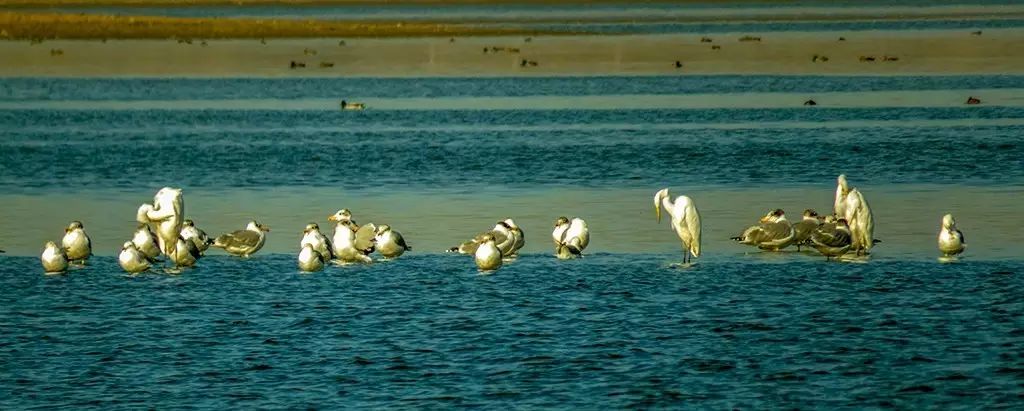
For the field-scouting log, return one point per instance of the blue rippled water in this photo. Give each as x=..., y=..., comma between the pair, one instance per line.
x=622, y=328
x=609, y=331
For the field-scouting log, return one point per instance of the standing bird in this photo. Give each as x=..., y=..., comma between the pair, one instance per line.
x=390, y=243
x=131, y=259
x=54, y=259
x=685, y=221
x=851, y=205
x=487, y=256
x=190, y=232
x=951, y=240
x=76, y=242
x=312, y=237
x=310, y=260
x=186, y=253
x=805, y=228
x=571, y=237
x=145, y=242
x=773, y=233
x=245, y=242
x=832, y=239
x=167, y=211
x=353, y=244
x=518, y=238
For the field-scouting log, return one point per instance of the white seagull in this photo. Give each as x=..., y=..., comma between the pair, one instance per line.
x=390, y=243
x=310, y=260
x=190, y=232
x=245, y=242
x=832, y=239
x=685, y=221
x=168, y=212
x=145, y=242
x=54, y=259
x=773, y=233
x=951, y=240
x=312, y=237
x=353, y=243
x=186, y=253
x=76, y=242
x=518, y=238
x=487, y=256
x=571, y=237
x=805, y=228
x=131, y=259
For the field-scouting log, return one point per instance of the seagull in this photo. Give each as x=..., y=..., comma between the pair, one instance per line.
x=341, y=215
x=190, y=232
x=245, y=242
x=309, y=259
x=131, y=259
x=145, y=242
x=390, y=243
x=773, y=233
x=804, y=228
x=54, y=259
x=851, y=205
x=571, y=237
x=501, y=234
x=951, y=240
x=518, y=238
x=76, y=242
x=312, y=237
x=353, y=244
x=167, y=211
x=186, y=252
x=832, y=239
x=685, y=221
x=487, y=255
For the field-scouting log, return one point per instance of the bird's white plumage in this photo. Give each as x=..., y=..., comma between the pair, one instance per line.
x=168, y=213
x=685, y=220
x=76, y=243
x=951, y=240
x=131, y=259
x=53, y=258
x=390, y=243
x=310, y=259
x=861, y=221
x=487, y=255
x=145, y=241
x=312, y=237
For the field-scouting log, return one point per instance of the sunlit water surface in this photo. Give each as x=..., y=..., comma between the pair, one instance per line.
x=442, y=159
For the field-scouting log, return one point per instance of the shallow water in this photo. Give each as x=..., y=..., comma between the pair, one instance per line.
x=609, y=331
x=442, y=159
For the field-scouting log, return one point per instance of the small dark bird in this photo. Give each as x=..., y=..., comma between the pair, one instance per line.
x=679, y=64
x=810, y=103
x=716, y=47
x=973, y=100
x=297, y=64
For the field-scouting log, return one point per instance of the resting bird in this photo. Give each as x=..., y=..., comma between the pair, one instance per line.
x=487, y=256
x=501, y=234
x=518, y=238
x=76, y=242
x=773, y=233
x=310, y=260
x=851, y=205
x=685, y=221
x=190, y=232
x=390, y=243
x=145, y=241
x=571, y=237
x=312, y=237
x=245, y=242
x=131, y=259
x=186, y=253
x=353, y=243
x=53, y=258
x=951, y=240
x=832, y=239
x=168, y=212
x=804, y=228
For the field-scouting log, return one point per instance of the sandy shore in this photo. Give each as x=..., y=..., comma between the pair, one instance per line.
x=896, y=52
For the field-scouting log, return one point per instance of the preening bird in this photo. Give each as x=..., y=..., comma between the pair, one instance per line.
x=685, y=221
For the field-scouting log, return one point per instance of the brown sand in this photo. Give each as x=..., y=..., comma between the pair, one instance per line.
x=908, y=52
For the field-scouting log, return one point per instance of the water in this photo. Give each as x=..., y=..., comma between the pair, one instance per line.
x=441, y=159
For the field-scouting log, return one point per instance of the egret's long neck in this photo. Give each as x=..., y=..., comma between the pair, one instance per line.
x=668, y=206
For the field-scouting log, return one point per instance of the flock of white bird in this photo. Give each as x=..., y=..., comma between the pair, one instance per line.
x=163, y=231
